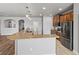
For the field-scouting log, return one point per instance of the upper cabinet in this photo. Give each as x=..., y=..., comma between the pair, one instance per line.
x=69, y=17
x=56, y=20
x=64, y=18
x=59, y=19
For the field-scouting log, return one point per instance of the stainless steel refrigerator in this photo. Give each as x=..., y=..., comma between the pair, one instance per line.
x=67, y=34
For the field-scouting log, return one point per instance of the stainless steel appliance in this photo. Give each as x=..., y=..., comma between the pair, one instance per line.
x=67, y=34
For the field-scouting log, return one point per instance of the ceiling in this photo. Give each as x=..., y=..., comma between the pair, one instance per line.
x=34, y=9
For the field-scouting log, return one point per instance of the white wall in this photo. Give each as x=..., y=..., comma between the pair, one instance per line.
x=47, y=25
x=39, y=26
x=7, y=31
x=10, y=31
x=76, y=28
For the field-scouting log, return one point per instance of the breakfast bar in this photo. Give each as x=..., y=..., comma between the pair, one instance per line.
x=35, y=46
x=27, y=44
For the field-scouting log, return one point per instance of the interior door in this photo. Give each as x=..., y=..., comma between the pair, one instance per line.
x=21, y=25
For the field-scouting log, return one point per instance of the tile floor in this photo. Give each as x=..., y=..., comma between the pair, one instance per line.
x=61, y=50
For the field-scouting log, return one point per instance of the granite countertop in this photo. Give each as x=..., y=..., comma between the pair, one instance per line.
x=28, y=35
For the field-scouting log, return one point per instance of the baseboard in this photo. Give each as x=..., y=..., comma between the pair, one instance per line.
x=76, y=52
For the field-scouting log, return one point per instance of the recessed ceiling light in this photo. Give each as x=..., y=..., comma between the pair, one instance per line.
x=60, y=9
x=44, y=8
x=40, y=14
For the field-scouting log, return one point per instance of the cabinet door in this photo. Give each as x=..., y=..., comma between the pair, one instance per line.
x=61, y=19
x=58, y=20
x=71, y=16
x=65, y=18
x=53, y=21
x=68, y=17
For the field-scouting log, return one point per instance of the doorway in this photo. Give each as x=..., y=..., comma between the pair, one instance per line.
x=21, y=25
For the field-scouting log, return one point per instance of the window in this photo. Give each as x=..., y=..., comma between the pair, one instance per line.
x=9, y=23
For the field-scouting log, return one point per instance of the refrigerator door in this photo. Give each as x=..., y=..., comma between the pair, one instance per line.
x=67, y=35
x=71, y=35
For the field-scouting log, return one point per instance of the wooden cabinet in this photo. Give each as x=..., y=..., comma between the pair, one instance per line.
x=61, y=19
x=56, y=20
x=71, y=15
x=53, y=21
x=66, y=17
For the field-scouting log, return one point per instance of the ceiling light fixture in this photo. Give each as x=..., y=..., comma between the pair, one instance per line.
x=27, y=15
x=60, y=9
x=44, y=8
x=40, y=14
x=29, y=18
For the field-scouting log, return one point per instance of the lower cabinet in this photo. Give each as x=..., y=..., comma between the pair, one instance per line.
x=36, y=46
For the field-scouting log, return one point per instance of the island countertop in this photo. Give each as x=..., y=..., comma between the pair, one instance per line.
x=22, y=35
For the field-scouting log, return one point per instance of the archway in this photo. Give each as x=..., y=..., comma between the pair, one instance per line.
x=21, y=25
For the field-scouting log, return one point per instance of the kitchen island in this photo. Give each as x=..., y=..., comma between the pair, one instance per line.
x=22, y=35
x=34, y=44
